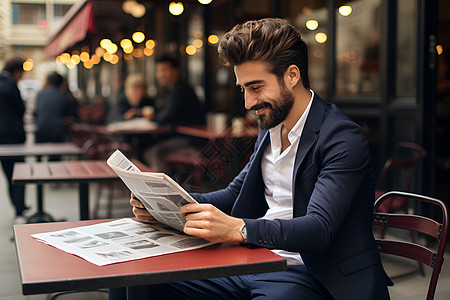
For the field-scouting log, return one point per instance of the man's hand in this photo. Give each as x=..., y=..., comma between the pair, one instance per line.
x=139, y=211
x=208, y=222
x=131, y=113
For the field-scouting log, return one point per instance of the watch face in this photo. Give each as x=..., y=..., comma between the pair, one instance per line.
x=244, y=232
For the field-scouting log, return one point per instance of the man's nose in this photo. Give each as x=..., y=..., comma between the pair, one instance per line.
x=249, y=100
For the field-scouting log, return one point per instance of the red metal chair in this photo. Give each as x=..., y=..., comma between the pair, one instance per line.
x=437, y=229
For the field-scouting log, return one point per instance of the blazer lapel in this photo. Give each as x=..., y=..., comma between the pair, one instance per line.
x=310, y=131
x=251, y=201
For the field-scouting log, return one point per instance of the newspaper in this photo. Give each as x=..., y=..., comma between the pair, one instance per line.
x=120, y=240
x=161, y=195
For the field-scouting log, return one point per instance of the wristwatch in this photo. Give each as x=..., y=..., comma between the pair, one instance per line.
x=244, y=233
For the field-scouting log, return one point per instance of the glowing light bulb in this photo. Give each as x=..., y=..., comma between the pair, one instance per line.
x=104, y=43
x=176, y=8
x=312, y=24
x=345, y=10
x=321, y=37
x=125, y=43
x=205, y=1
x=213, y=39
x=191, y=50
x=150, y=44
x=138, y=37
x=27, y=66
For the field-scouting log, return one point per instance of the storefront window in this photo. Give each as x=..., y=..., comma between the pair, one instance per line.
x=358, y=47
x=23, y=13
x=311, y=19
x=60, y=11
x=406, y=49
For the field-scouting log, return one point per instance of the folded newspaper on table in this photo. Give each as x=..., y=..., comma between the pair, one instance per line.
x=120, y=240
x=160, y=194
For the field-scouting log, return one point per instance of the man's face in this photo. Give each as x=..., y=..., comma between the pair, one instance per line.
x=166, y=75
x=263, y=93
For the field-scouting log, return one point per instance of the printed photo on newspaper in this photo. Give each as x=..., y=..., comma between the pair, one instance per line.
x=161, y=195
x=120, y=240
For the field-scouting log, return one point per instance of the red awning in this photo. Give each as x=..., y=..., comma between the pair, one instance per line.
x=78, y=22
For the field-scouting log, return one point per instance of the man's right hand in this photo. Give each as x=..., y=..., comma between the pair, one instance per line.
x=140, y=212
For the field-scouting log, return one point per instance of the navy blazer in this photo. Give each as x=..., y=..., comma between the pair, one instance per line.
x=333, y=196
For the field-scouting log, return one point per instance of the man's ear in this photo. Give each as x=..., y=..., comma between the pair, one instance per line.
x=292, y=76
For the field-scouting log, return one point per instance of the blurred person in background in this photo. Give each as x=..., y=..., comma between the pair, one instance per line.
x=54, y=111
x=12, y=110
x=176, y=104
x=131, y=102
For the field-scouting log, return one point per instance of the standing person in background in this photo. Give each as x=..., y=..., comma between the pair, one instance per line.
x=12, y=110
x=54, y=110
x=134, y=98
x=177, y=104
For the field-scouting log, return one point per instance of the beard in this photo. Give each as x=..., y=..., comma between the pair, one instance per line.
x=278, y=109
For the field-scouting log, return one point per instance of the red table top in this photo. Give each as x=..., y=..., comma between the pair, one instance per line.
x=74, y=170
x=45, y=269
x=41, y=149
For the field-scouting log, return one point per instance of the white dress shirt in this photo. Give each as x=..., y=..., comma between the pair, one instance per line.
x=277, y=172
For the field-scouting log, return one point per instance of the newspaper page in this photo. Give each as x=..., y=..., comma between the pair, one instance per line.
x=120, y=240
x=159, y=193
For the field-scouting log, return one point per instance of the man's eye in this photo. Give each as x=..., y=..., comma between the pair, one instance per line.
x=256, y=88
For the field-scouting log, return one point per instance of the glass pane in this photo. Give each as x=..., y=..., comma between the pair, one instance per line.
x=358, y=47
x=60, y=12
x=28, y=13
x=406, y=48
x=311, y=18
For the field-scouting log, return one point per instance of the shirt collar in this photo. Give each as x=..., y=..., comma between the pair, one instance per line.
x=297, y=130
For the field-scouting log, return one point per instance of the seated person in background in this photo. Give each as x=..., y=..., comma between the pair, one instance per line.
x=177, y=104
x=54, y=110
x=307, y=192
x=130, y=103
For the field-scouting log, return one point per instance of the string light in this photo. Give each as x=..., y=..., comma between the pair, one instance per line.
x=213, y=39
x=138, y=37
x=345, y=10
x=176, y=8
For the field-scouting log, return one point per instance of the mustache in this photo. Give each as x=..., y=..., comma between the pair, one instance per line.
x=261, y=106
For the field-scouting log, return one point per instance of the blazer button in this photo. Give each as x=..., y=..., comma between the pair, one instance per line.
x=265, y=241
x=260, y=240
x=271, y=242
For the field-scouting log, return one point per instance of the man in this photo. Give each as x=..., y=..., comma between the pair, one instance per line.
x=176, y=104
x=307, y=191
x=54, y=110
x=12, y=109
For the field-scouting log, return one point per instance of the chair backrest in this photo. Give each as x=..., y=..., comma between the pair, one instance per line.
x=438, y=229
x=405, y=157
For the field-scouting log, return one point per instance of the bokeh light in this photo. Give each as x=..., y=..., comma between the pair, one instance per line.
x=312, y=24
x=345, y=10
x=176, y=8
x=138, y=37
x=213, y=39
x=321, y=37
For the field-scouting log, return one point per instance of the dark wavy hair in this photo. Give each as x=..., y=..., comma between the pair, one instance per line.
x=270, y=40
